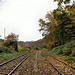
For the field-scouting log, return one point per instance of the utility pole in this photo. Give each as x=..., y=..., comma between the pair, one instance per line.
x=4, y=33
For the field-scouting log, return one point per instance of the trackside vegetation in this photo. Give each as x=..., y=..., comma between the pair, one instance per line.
x=67, y=50
x=10, y=48
x=7, y=53
x=58, y=29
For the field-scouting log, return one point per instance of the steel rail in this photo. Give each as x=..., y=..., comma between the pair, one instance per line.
x=63, y=62
x=9, y=60
x=18, y=65
x=24, y=56
x=53, y=66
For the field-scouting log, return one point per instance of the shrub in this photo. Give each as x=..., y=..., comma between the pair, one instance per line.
x=37, y=48
x=5, y=50
x=57, y=50
x=69, y=48
x=19, y=47
x=1, y=50
x=65, y=49
x=73, y=51
x=70, y=58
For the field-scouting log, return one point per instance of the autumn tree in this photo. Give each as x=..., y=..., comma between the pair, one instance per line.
x=59, y=25
x=60, y=2
x=47, y=27
x=69, y=7
x=55, y=28
x=62, y=19
x=11, y=41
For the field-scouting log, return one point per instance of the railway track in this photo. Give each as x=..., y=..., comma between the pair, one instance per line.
x=18, y=65
x=9, y=60
x=36, y=65
x=27, y=67
x=41, y=65
x=53, y=66
x=63, y=62
x=8, y=67
x=44, y=67
x=61, y=67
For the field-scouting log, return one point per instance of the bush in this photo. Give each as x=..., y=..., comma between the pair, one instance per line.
x=69, y=48
x=65, y=49
x=5, y=50
x=73, y=51
x=1, y=50
x=19, y=47
x=57, y=50
x=37, y=48
x=70, y=58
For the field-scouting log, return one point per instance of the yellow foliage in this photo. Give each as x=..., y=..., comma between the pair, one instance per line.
x=58, y=12
x=56, y=23
x=47, y=45
x=19, y=47
x=28, y=49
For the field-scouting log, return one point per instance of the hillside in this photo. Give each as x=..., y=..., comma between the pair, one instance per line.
x=37, y=43
x=66, y=49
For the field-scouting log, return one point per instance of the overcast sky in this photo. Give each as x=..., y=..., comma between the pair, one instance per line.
x=21, y=17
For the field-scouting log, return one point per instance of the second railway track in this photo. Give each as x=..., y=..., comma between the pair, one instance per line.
x=8, y=66
x=61, y=67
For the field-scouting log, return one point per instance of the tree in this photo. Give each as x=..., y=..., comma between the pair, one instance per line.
x=69, y=7
x=60, y=2
x=11, y=41
x=48, y=28
x=55, y=28
x=59, y=26
x=63, y=21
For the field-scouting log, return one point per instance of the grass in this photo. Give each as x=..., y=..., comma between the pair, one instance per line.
x=70, y=58
x=5, y=56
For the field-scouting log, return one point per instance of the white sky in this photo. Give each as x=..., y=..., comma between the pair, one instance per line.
x=21, y=17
